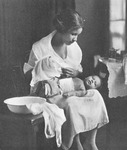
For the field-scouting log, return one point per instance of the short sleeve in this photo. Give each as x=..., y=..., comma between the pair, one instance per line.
x=31, y=62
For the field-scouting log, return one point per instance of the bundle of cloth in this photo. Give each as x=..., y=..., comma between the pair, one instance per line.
x=53, y=117
x=47, y=68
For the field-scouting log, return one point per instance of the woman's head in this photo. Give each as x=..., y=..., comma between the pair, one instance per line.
x=68, y=20
x=92, y=82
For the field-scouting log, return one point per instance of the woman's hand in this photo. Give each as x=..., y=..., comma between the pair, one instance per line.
x=70, y=72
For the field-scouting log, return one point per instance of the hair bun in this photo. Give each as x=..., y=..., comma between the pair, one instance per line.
x=68, y=19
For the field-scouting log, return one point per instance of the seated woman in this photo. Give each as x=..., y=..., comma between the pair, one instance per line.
x=58, y=85
x=85, y=113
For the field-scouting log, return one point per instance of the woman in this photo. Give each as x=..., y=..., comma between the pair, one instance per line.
x=83, y=114
x=60, y=44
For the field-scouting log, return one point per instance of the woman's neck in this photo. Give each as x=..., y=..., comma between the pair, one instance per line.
x=59, y=46
x=57, y=40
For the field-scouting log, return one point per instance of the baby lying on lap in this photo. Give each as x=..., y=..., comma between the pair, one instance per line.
x=79, y=87
x=67, y=87
x=52, y=86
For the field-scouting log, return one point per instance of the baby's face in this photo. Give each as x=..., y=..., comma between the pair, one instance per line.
x=92, y=82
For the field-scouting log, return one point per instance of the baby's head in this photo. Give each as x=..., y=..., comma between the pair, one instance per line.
x=92, y=82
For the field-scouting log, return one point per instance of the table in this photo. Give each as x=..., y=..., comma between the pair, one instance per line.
x=116, y=79
x=23, y=132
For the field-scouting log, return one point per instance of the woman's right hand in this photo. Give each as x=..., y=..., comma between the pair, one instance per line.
x=70, y=72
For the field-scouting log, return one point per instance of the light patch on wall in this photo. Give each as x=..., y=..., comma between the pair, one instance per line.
x=117, y=24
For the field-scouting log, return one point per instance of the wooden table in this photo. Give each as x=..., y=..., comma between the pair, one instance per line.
x=23, y=132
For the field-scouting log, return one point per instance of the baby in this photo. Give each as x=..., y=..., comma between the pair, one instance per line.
x=50, y=71
x=67, y=87
x=80, y=87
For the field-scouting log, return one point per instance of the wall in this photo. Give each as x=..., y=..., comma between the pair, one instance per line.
x=22, y=22
x=94, y=39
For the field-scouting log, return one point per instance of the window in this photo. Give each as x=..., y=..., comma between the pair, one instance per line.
x=118, y=24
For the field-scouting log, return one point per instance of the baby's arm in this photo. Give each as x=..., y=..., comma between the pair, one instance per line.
x=55, y=99
x=79, y=93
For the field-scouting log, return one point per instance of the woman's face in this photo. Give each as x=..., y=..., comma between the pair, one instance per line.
x=92, y=82
x=71, y=36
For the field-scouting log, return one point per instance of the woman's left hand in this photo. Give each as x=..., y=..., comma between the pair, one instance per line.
x=70, y=72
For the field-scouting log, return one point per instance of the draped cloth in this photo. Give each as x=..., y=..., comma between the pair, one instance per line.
x=116, y=80
x=82, y=114
x=53, y=116
x=125, y=68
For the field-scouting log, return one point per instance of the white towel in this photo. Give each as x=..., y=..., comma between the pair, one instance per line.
x=45, y=69
x=53, y=116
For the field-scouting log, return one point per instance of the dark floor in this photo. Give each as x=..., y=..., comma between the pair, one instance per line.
x=118, y=136
x=113, y=136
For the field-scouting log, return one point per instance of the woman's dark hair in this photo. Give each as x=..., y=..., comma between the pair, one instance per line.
x=68, y=20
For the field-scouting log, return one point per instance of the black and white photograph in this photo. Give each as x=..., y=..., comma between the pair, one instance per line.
x=63, y=75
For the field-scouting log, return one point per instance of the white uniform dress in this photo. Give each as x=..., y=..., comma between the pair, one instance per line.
x=43, y=48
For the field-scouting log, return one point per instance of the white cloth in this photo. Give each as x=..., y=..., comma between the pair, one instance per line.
x=116, y=80
x=54, y=118
x=125, y=68
x=82, y=114
x=67, y=85
x=43, y=48
x=45, y=69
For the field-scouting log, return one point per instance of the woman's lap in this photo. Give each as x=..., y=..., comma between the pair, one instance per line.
x=82, y=114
